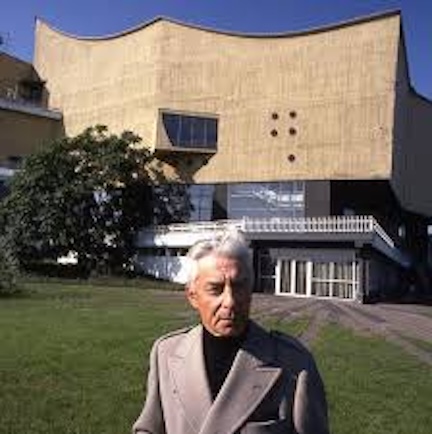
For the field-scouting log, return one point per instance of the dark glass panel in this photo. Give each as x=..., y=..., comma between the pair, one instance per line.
x=198, y=132
x=171, y=125
x=185, y=138
x=190, y=131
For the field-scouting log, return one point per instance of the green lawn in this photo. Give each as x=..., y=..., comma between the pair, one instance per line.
x=373, y=387
x=73, y=358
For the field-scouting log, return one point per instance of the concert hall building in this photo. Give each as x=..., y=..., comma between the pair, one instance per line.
x=314, y=143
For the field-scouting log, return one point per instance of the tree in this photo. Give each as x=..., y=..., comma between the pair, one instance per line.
x=8, y=268
x=88, y=194
x=171, y=203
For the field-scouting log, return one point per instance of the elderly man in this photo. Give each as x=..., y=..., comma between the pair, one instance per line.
x=228, y=375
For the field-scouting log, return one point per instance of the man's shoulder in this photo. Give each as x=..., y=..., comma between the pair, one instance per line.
x=276, y=338
x=290, y=350
x=279, y=348
x=173, y=338
x=287, y=342
x=175, y=333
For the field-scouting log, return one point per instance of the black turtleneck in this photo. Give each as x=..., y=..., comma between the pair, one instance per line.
x=219, y=354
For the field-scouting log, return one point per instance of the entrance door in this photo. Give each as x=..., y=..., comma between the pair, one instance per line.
x=301, y=278
x=291, y=276
x=319, y=279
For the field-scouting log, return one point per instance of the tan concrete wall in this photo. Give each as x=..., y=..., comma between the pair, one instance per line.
x=339, y=82
x=110, y=82
x=22, y=133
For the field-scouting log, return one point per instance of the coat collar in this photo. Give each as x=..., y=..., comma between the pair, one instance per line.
x=247, y=383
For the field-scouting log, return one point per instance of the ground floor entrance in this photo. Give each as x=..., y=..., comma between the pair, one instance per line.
x=319, y=279
x=326, y=274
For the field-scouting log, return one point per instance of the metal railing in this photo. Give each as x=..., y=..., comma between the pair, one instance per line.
x=331, y=224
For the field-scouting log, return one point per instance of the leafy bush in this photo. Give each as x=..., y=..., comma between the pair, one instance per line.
x=8, y=268
x=88, y=194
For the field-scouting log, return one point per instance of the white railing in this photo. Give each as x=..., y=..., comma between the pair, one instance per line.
x=218, y=225
x=333, y=224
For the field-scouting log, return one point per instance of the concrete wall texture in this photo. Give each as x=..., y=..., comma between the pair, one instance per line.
x=23, y=126
x=337, y=93
x=23, y=133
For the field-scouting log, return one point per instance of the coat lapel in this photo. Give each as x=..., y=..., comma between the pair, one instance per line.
x=248, y=382
x=188, y=375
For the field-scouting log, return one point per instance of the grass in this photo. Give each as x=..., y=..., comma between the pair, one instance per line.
x=373, y=387
x=73, y=360
x=419, y=343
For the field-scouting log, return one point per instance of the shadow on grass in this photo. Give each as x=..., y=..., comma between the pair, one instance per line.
x=36, y=287
x=14, y=294
x=142, y=282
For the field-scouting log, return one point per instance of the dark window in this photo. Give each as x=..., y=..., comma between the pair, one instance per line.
x=15, y=159
x=191, y=131
x=171, y=125
x=266, y=199
x=31, y=91
x=198, y=132
x=185, y=127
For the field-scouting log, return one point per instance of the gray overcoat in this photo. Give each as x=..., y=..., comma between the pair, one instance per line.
x=273, y=387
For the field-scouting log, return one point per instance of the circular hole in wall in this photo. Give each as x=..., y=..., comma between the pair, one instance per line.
x=274, y=133
x=291, y=158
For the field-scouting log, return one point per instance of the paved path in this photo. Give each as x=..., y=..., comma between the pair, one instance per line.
x=405, y=325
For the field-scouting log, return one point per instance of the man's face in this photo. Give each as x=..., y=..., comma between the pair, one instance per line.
x=221, y=293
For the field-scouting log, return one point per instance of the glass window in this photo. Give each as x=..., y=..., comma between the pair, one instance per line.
x=172, y=127
x=31, y=91
x=285, y=276
x=266, y=272
x=201, y=197
x=191, y=131
x=301, y=275
x=185, y=131
x=335, y=279
x=198, y=136
x=266, y=200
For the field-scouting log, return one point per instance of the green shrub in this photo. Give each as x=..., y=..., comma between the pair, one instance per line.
x=8, y=268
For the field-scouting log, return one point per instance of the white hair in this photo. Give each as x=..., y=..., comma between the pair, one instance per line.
x=230, y=243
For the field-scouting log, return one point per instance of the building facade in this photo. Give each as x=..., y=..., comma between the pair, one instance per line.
x=314, y=143
x=25, y=120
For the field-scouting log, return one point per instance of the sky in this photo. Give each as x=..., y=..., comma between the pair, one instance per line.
x=102, y=17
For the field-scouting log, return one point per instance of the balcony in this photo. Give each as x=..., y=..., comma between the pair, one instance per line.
x=22, y=106
x=170, y=241
x=355, y=229
x=251, y=226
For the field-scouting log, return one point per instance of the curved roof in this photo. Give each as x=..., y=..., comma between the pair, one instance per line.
x=226, y=32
